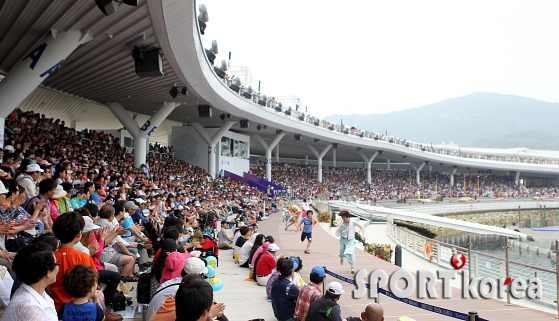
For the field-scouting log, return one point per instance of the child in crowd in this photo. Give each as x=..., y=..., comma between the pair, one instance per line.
x=81, y=283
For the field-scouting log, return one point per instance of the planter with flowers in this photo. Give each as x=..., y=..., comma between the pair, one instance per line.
x=382, y=251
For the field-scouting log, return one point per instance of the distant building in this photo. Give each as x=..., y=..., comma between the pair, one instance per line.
x=292, y=101
x=245, y=74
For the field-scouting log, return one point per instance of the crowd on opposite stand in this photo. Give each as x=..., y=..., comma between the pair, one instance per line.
x=74, y=206
x=351, y=183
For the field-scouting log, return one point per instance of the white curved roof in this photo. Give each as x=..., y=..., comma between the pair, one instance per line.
x=176, y=28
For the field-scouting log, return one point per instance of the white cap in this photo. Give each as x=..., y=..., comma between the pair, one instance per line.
x=3, y=189
x=34, y=168
x=194, y=265
x=140, y=201
x=9, y=147
x=89, y=226
x=335, y=288
x=273, y=248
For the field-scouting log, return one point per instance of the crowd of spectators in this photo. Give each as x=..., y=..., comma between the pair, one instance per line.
x=351, y=183
x=74, y=204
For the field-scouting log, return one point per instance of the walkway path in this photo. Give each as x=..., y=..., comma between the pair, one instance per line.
x=324, y=251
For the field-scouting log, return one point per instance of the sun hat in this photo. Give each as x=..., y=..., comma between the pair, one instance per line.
x=195, y=265
x=59, y=193
x=89, y=225
x=31, y=168
x=273, y=248
x=173, y=265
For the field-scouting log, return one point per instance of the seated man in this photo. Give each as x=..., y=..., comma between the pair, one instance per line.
x=224, y=240
x=126, y=260
x=284, y=292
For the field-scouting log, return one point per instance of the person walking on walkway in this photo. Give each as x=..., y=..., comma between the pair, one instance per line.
x=346, y=232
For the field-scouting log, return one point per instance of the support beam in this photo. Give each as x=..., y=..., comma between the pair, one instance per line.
x=268, y=149
x=306, y=159
x=212, y=141
x=141, y=134
x=30, y=71
x=452, y=176
x=517, y=178
x=319, y=158
x=417, y=168
x=388, y=164
x=334, y=157
x=277, y=153
x=368, y=161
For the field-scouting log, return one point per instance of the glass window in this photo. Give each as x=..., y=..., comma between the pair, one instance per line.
x=236, y=149
x=225, y=146
x=243, y=150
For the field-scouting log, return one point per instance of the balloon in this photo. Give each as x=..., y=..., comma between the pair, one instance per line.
x=294, y=209
x=216, y=284
x=211, y=271
x=315, y=221
x=212, y=261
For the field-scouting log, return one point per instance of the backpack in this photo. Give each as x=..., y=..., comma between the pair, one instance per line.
x=119, y=302
x=143, y=293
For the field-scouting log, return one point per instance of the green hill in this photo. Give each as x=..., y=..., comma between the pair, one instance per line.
x=475, y=120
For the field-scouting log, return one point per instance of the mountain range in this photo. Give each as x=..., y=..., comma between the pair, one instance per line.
x=475, y=120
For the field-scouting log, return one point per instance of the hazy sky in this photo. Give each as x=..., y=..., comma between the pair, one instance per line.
x=381, y=56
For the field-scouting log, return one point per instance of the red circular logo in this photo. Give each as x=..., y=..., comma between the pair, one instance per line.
x=458, y=260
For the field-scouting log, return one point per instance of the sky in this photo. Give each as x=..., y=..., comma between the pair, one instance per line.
x=369, y=56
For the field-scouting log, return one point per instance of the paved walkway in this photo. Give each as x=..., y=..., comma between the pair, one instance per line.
x=324, y=251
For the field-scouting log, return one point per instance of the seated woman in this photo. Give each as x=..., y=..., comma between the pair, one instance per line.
x=36, y=267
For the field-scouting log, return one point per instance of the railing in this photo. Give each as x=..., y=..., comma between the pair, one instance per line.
x=478, y=264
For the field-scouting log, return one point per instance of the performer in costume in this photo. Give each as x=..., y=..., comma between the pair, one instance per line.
x=346, y=232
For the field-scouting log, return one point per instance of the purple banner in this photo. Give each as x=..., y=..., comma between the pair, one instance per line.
x=260, y=187
x=251, y=178
x=233, y=176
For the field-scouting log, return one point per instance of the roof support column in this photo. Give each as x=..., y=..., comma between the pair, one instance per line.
x=268, y=149
x=517, y=178
x=212, y=141
x=334, y=157
x=368, y=160
x=388, y=164
x=417, y=168
x=141, y=134
x=277, y=153
x=307, y=160
x=452, y=175
x=26, y=75
x=319, y=158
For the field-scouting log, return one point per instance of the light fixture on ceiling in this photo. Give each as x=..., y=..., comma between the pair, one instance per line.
x=279, y=132
x=259, y=127
x=316, y=140
x=174, y=92
x=222, y=116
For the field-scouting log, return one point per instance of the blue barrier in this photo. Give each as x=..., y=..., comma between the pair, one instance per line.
x=417, y=304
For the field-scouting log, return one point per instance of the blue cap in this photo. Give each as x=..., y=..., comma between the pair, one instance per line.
x=319, y=270
x=295, y=262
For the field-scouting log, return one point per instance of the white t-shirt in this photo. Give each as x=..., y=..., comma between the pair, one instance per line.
x=27, y=304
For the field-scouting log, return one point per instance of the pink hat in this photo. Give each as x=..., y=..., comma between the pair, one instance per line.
x=173, y=266
x=44, y=162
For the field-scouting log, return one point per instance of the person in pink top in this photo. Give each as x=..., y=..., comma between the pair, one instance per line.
x=263, y=248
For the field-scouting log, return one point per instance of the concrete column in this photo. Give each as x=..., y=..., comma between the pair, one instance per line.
x=319, y=158
x=368, y=161
x=334, y=157
x=388, y=164
x=452, y=176
x=517, y=178
x=268, y=149
x=306, y=159
x=141, y=134
x=430, y=168
x=277, y=153
x=417, y=168
x=212, y=141
x=36, y=66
